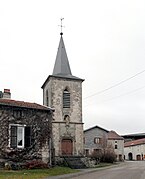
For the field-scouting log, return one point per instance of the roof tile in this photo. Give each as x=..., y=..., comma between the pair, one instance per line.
x=9, y=102
x=114, y=135
x=134, y=142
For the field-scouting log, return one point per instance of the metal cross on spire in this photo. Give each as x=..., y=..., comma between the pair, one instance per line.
x=61, y=26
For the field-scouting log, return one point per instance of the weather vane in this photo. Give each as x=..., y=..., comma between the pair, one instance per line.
x=61, y=26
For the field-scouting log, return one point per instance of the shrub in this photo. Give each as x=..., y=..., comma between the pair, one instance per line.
x=108, y=156
x=7, y=166
x=105, y=155
x=36, y=164
x=97, y=156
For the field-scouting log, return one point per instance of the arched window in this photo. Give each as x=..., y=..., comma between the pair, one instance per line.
x=47, y=99
x=66, y=99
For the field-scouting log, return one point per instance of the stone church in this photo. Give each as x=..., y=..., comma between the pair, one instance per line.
x=29, y=131
x=63, y=92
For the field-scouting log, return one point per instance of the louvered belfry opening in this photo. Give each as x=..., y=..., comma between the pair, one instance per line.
x=66, y=99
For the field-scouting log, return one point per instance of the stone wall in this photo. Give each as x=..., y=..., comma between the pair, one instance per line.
x=119, y=151
x=90, y=135
x=74, y=129
x=40, y=123
x=55, y=88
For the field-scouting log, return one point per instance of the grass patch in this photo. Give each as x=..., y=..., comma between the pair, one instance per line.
x=35, y=173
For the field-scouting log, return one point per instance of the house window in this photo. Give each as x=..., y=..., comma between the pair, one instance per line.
x=20, y=136
x=86, y=152
x=66, y=99
x=97, y=140
x=97, y=151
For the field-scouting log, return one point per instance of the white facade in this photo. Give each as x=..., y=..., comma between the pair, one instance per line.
x=134, y=152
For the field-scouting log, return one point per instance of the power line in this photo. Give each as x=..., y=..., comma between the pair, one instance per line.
x=113, y=86
x=124, y=94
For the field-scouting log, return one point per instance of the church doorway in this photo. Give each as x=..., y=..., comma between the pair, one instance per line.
x=67, y=147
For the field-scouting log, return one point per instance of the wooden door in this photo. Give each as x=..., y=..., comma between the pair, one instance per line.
x=138, y=157
x=66, y=147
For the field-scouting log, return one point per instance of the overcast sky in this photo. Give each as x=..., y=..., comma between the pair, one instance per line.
x=105, y=44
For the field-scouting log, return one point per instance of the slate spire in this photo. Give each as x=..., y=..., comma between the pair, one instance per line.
x=61, y=67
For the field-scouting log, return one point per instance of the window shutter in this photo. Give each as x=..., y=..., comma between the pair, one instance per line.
x=13, y=132
x=27, y=136
x=95, y=140
x=100, y=141
x=66, y=99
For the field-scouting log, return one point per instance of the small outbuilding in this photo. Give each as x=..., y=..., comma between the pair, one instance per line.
x=98, y=139
x=117, y=143
x=135, y=149
x=25, y=131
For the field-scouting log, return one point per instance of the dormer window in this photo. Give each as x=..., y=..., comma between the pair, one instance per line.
x=66, y=99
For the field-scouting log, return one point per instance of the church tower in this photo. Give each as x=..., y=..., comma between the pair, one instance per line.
x=63, y=92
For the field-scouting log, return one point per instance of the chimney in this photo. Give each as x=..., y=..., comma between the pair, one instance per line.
x=7, y=94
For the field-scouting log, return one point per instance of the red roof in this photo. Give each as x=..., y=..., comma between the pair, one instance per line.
x=112, y=135
x=14, y=103
x=134, y=142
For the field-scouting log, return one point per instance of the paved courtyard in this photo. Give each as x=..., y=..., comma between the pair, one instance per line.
x=128, y=170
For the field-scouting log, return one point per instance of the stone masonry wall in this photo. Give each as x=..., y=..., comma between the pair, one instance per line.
x=89, y=138
x=55, y=88
x=74, y=130
x=40, y=122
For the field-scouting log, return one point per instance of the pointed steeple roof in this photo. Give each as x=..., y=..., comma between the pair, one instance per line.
x=61, y=66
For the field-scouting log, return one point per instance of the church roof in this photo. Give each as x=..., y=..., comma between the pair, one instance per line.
x=62, y=68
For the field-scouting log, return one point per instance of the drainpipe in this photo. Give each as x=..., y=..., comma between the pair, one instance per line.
x=50, y=150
